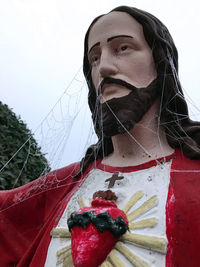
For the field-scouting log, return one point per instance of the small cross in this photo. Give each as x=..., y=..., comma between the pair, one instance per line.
x=113, y=179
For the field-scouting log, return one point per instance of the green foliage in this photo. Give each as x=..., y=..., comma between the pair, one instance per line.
x=29, y=163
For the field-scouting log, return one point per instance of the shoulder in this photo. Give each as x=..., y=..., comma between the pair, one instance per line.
x=184, y=163
x=54, y=179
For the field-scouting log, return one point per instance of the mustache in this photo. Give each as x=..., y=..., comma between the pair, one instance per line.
x=109, y=80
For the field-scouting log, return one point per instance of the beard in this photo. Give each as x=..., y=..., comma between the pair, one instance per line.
x=119, y=115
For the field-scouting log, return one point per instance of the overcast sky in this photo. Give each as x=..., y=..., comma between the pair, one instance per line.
x=41, y=48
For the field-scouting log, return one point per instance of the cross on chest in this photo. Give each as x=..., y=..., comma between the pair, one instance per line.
x=113, y=179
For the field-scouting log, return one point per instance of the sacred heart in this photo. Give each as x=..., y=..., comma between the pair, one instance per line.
x=95, y=231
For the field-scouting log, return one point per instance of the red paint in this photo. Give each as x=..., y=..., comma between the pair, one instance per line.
x=89, y=246
x=142, y=166
x=183, y=213
x=25, y=226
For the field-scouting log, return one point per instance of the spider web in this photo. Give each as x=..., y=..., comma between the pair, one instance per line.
x=67, y=131
x=63, y=135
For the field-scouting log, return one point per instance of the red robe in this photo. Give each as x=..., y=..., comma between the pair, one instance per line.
x=29, y=213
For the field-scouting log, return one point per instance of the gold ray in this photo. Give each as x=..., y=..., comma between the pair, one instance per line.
x=133, y=200
x=60, y=232
x=135, y=260
x=116, y=262
x=155, y=243
x=106, y=264
x=81, y=202
x=68, y=262
x=63, y=253
x=63, y=250
x=147, y=223
x=147, y=205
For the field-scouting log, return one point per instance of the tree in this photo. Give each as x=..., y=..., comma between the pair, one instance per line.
x=29, y=162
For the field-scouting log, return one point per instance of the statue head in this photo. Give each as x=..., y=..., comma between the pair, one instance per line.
x=157, y=37
x=121, y=65
x=162, y=60
x=165, y=57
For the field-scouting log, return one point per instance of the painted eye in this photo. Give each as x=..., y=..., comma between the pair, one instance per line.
x=94, y=59
x=123, y=48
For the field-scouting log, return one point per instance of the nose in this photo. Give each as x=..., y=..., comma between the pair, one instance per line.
x=107, y=66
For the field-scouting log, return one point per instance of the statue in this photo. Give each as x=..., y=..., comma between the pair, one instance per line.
x=143, y=173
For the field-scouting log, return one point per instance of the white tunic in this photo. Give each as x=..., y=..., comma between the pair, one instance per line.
x=153, y=181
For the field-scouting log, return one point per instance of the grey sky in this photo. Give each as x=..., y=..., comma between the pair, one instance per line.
x=41, y=48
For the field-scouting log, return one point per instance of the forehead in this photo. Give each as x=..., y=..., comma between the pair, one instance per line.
x=113, y=24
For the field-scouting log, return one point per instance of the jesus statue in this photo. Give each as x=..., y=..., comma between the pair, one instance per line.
x=134, y=199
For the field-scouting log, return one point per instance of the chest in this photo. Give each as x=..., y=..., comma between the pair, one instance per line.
x=142, y=195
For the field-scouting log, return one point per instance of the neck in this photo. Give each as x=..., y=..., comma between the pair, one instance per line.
x=146, y=141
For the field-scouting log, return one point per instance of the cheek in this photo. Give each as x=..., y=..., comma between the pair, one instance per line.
x=141, y=72
x=149, y=65
x=142, y=66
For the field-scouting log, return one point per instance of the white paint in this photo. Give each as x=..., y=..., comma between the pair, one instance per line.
x=152, y=181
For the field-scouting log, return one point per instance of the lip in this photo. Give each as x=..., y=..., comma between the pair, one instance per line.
x=118, y=83
x=108, y=82
x=112, y=90
x=110, y=86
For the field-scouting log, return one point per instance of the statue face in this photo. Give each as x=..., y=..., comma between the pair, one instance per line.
x=118, y=49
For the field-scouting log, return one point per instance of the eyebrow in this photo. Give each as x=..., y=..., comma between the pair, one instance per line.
x=118, y=36
x=110, y=39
